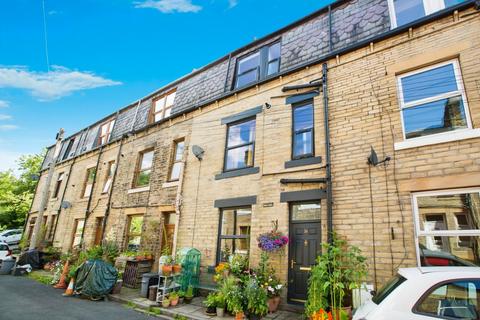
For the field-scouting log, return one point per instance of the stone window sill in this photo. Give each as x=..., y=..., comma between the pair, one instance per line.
x=237, y=173
x=170, y=184
x=136, y=190
x=302, y=162
x=438, y=138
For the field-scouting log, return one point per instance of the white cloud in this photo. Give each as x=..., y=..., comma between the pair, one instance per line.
x=4, y=104
x=57, y=83
x=169, y=6
x=7, y=127
x=232, y=3
x=5, y=117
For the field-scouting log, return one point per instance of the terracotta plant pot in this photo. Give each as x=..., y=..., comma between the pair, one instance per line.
x=272, y=306
x=177, y=268
x=167, y=270
x=239, y=316
x=180, y=300
x=277, y=300
x=174, y=302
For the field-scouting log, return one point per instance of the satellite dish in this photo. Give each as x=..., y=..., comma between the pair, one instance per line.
x=66, y=205
x=373, y=158
x=198, y=152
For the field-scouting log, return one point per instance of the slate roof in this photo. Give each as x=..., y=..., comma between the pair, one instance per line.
x=328, y=30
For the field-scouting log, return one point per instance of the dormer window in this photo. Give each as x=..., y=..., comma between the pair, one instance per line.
x=162, y=106
x=105, y=132
x=406, y=11
x=258, y=65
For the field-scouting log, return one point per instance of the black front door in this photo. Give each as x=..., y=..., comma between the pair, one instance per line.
x=305, y=246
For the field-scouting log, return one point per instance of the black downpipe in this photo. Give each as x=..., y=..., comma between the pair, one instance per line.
x=90, y=197
x=327, y=155
x=59, y=210
x=110, y=193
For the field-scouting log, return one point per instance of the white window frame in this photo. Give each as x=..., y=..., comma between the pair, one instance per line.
x=438, y=233
x=430, y=6
x=453, y=135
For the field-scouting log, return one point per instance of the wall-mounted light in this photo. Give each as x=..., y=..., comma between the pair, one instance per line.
x=268, y=105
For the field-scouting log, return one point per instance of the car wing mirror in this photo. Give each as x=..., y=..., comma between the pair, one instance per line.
x=373, y=293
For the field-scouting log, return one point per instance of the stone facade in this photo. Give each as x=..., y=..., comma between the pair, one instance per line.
x=372, y=206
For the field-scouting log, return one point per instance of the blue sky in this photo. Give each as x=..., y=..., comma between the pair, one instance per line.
x=106, y=54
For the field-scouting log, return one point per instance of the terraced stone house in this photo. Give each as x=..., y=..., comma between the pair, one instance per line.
x=362, y=118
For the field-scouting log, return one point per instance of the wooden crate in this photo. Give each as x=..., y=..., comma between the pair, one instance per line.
x=134, y=270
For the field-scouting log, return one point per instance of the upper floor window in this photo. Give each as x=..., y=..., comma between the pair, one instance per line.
x=433, y=100
x=58, y=184
x=162, y=107
x=258, y=65
x=68, y=149
x=87, y=189
x=240, y=146
x=105, y=132
x=176, y=167
x=144, y=169
x=406, y=11
x=303, y=137
x=109, y=177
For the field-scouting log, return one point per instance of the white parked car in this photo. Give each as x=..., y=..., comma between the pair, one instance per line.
x=12, y=237
x=5, y=252
x=426, y=293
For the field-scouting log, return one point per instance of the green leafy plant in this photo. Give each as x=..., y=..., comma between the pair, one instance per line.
x=340, y=269
x=110, y=251
x=174, y=295
x=179, y=317
x=181, y=293
x=211, y=300
x=256, y=298
x=189, y=292
x=219, y=300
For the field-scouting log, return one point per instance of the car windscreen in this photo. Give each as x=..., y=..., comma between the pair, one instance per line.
x=3, y=247
x=388, y=288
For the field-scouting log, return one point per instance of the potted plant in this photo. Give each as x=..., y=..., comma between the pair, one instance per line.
x=166, y=302
x=256, y=300
x=181, y=296
x=220, y=304
x=189, y=294
x=340, y=269
x=266, y=278
x=167, y=267
x=174, y=298
x=177, y=267
x=211, y=304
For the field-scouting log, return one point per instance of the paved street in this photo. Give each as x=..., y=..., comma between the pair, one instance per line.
x=24, y=299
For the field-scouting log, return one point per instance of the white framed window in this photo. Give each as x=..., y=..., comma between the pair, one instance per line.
x=447, y=227
x=162, y=106
x=433, y=105
x=406, y=11
x=105, y=131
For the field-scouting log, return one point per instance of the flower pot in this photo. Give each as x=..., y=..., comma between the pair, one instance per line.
x=220, y=312
x=165, y=303
x=177, y=268
x=117, y=288
x=211, y=311
x=188, y=300
x=252, y=316
x=272, y=305
x=166, y=270
x=277, y=300
x=180, y=300
x=239, y=316
x=174, y=302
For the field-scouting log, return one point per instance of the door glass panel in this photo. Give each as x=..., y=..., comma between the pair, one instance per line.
x=306, y=211
x=454, y=300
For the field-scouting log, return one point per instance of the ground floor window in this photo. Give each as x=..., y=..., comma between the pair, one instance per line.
x=448, y=227
x=234, y=232
x=77, y=232
x=134, y=232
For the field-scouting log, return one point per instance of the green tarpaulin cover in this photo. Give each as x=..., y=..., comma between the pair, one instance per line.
x=95, y=279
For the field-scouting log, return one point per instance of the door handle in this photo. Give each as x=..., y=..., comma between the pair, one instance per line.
x=292, y=263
